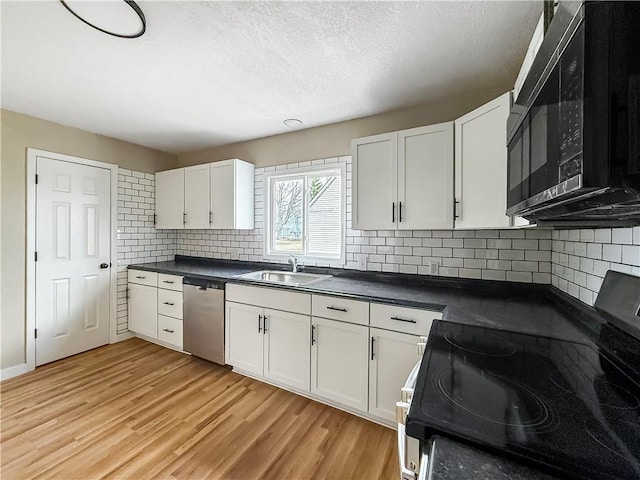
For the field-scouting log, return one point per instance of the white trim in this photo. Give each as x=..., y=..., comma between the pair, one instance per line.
x=14, y=371
x=267, y=209
x=32, y=155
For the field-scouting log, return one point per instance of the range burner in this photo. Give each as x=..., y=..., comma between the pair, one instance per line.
x=485, y=396
x=599, y=391
x=481, y=344
x=597, y=432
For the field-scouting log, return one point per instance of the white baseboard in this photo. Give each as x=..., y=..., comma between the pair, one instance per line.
x=14, y=371
x=119, y=337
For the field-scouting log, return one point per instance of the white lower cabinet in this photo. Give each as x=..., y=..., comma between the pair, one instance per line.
x=350, y=353
x=392, y=357
x=243, y=337
x=287, y=348
x=155, y=306
x=269, y=343
x=339, y=365
x=143, y=310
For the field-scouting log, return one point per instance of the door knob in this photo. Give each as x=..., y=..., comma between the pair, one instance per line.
x=104, y=265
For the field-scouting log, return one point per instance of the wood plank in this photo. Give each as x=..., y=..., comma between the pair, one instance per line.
x=136, y=410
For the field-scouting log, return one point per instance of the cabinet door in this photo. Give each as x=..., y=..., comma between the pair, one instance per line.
x=196, y=196
x=143, y=310
x=170, y=199
x=481, y=166
x=223, y=195
x=243, y=337
x=287, y=348
x=375, y=174
x=393, y=356
x=425, y=177
x=339, y=362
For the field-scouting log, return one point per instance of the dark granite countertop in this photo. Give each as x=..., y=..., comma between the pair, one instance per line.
x=526, y=308
x=452, y=460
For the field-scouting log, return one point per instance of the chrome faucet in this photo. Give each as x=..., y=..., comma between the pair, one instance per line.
x=293, y=261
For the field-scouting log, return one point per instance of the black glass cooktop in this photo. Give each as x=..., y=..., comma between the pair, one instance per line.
x=556, y=403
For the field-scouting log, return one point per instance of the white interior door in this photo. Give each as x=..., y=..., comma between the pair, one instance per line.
x=425, y=177
x=73, y=241
x=223, y=195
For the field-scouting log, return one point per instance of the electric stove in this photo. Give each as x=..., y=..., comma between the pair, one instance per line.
x=570, y=408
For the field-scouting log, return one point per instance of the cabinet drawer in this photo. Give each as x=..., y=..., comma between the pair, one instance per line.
x=170, y=282
x=275, y=298
x=170, y=303
x=403, y=319
x=143, y=278
x=352, y=311
x=170, y=331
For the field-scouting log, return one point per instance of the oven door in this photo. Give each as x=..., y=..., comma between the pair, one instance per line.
x=408, y=447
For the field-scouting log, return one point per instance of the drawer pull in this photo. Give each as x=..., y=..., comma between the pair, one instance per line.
x=167, y=330
x=171, y=304
x=403, y=320
x=168, y=281
x=141, y=277
x=337, y=309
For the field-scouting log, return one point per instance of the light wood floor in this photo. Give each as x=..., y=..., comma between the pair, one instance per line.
x=137, y=410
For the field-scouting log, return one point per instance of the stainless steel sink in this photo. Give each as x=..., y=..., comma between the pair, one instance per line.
x=284, y=278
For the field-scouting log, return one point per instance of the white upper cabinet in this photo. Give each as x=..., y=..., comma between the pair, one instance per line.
x=481, y=166
x=232, y=195
x=534, y=46
x=425, y=177
x=404, y=180
x=375, y=182
x=196, y=197
x=170, y=199
x=217, y=195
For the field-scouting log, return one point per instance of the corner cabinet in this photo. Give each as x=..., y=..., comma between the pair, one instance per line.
x=481, y=167
x=404, y=180
x=217, y=195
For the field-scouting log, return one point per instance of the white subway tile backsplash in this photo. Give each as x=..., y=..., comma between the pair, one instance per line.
x=579, y=267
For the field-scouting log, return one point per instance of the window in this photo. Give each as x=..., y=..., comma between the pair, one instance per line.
x=305, y=214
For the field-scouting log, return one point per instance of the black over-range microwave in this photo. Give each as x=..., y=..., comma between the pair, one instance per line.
x=574, y=131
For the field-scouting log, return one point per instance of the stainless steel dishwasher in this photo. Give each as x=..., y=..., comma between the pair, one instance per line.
x=203, y=322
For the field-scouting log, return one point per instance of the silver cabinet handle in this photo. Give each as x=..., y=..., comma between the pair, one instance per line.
x=168, y=281
x=373, y=339
x=337, y=309
x=403, y=320
x=210, y=218
x=184, y=218
x=169, y=303
x=313, y=329
x=141, y=278
x=264, y=324
x=259, y=323
x=167, y=330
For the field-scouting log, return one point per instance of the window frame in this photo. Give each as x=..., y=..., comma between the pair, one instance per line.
x=297, y=172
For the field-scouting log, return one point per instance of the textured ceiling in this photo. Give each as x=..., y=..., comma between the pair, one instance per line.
x=211, y=73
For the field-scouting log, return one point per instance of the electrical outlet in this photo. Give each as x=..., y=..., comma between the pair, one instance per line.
x=433, y=268
x=361, y=259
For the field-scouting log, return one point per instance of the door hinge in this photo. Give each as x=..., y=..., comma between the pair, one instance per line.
x=35, y=256
x=36, y=178
x=35, y=333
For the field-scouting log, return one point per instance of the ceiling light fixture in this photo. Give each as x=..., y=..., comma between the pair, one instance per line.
x=292, y=122
x=120, y=18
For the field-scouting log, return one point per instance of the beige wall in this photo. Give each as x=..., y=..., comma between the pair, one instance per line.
x=335, y=139
x=17, y=133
